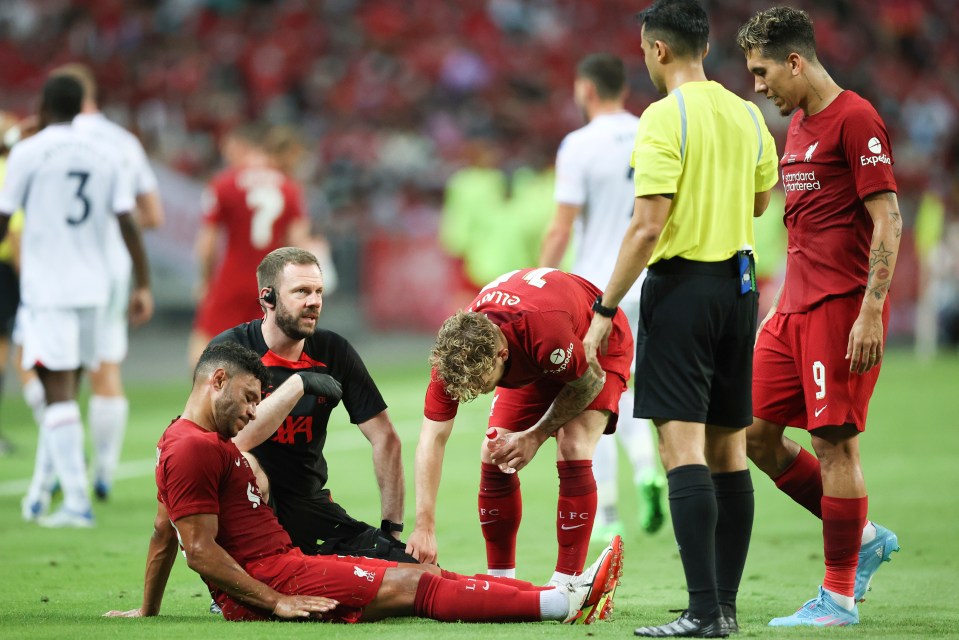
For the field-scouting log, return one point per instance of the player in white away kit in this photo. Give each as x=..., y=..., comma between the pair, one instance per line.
x=594, y=196
x=70, y=186
x=108, y=408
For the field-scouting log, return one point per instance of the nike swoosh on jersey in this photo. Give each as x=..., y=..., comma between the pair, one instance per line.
x=820, y=410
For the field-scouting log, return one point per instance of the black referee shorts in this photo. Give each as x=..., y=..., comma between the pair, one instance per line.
x=694, y=344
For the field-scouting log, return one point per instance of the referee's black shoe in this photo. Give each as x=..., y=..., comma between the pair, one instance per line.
x=729, y=617
x=686, y=626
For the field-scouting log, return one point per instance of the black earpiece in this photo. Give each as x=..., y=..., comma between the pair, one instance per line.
x=269, y=297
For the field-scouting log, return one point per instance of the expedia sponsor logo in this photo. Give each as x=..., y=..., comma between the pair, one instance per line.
x=875, y=147
x=874, y=160
x=561, y=358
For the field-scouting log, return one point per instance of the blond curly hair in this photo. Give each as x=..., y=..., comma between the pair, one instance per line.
x=464, y=354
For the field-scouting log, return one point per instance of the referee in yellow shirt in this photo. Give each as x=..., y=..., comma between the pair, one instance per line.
x=704, y=166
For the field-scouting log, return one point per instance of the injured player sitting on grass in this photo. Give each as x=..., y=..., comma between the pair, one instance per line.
x=210, y=503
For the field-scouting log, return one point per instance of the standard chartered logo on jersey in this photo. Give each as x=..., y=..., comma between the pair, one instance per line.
x=800, y=181
x=877, y=157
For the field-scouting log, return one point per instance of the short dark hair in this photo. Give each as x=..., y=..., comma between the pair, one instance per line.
x=84, y=76
x=682, y=24
x=777, y=32
x=606, y=72
x=234, y=358
x=62, y=98
x=275, y=261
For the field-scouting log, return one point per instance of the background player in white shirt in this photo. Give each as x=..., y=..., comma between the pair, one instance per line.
x=594, y=202
x=108, y=408
x=70, y=185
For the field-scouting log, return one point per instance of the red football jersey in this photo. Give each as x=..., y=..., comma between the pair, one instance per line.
x=832, y=160
x=255, y=207
x=544, y=314
x=199, y=472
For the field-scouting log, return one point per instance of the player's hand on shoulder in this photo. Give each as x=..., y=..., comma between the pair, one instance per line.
x=422, y=545
x=141, y=306
x=132, y=613
x=321, y=384
x=288, y=607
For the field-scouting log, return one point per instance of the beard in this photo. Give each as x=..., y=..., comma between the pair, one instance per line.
x=290, y=324
x=227, y=415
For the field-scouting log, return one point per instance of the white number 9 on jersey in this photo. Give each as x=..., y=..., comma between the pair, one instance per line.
x=266, y=202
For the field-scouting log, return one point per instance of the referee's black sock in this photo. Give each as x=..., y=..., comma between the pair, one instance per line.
x=734, y=499
x=692, y=503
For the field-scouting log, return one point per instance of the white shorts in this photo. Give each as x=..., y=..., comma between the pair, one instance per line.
x=59, y=339
x=112, y=329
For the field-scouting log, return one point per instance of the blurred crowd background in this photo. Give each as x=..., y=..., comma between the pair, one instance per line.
x=429, y=128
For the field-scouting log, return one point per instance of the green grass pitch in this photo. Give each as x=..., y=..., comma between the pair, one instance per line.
x=56, y=584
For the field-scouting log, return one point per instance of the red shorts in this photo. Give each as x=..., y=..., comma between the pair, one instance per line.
x=801, y=377
x=353, y=582
x=519, y=409
x=224, y=309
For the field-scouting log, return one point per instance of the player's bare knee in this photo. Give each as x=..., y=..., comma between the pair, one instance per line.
x=396, y=594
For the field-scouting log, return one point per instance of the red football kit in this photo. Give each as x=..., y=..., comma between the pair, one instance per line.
x=832, y=161
x=544, y=315
x=198, y=471
x=255, y=207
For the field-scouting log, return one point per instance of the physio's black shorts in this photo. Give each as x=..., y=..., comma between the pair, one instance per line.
x=9, y=298
x=321, y=526
x=694, y=344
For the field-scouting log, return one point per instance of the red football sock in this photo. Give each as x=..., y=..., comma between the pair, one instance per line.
x=473, y=600
x=575, y=512
x=522, y=585
x=500, y=512
x=842, y=523
x=802, y=481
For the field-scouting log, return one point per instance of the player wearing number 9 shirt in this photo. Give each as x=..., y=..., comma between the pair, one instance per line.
x=819, y=350
x=69, y=184
x=521, y=338
x=258, y=209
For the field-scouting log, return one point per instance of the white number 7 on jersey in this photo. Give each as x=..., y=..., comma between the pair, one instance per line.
x=534, y=277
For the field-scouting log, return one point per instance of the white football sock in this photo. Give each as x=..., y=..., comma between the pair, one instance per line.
x=637, y=438
x=36, y=398
x=868, y=532
x=846, y=602
x=607, y=490
x=44, y=476
x=107, y=416
x=504, y=573
x=553, y=605
x=63, y=432
x=560, y=578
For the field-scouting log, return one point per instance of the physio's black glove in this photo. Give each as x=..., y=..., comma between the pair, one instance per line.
x=321, y=384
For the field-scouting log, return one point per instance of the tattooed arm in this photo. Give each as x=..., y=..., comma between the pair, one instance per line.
x=571, y=401
x=864, y=350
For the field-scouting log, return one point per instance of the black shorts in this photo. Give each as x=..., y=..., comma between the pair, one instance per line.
x=694, y=344
x=319, y=526
x=9, y=298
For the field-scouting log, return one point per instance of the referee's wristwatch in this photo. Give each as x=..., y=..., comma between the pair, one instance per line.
x=606, y=312
x=389, y=527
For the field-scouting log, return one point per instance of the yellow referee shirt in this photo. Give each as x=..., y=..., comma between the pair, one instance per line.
x=711, y=150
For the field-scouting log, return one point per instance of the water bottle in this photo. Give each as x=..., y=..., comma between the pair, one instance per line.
x=493, y=443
